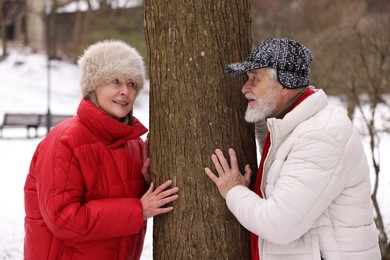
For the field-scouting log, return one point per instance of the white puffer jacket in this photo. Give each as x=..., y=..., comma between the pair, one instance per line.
x=317, y=189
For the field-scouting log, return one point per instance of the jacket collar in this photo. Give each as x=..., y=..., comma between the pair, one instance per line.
x=112, y=132
x=304, y=109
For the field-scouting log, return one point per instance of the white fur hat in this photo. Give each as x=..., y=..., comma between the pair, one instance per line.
x=109, y=59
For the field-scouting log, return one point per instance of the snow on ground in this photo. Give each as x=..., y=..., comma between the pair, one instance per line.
x=23, y=85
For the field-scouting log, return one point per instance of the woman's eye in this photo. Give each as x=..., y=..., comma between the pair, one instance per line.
x=131, y=84
x=115, y=81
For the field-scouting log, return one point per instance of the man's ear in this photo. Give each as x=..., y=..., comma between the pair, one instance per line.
x=285, y=91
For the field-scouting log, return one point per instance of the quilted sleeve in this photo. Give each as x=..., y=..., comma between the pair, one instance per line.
x=309, y=179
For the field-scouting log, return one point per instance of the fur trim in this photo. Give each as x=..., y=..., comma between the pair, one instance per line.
x=107, y=60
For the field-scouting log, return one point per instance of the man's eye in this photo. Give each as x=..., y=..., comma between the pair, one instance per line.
x=115, y=81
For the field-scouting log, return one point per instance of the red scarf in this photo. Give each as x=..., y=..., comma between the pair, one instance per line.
x=255, y=238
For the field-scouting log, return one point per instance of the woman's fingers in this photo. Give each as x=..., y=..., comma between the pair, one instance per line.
x=167, y=193
x=166, y=200
x=150, y=190
x=152, y=201
x=146, y=148
x=163, y=210
x=163, y=186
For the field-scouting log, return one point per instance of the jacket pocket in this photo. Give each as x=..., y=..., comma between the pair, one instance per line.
x=316, y=251
x=307, y=247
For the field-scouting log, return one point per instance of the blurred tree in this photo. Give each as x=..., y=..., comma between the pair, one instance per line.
x=52, y=27
x=369, y=80
x=3, y=29
x=111, y=19
x=77, y=27
x=314, y=23
x=10, y=10
x=195, y=108
x=82, y=23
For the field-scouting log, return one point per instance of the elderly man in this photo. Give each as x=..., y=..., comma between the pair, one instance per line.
x=312, y=195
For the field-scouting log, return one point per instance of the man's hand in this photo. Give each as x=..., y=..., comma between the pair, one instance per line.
x=229, y=177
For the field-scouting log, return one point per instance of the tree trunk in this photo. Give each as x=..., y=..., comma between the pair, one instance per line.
x=3, y=30
x=87, y=24
x=26, y=40
x=195, y=108
x=77, y=30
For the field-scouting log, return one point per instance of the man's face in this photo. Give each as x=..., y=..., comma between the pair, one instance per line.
x=261, y=93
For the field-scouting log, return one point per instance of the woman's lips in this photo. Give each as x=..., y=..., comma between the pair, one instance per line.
x=121, y=102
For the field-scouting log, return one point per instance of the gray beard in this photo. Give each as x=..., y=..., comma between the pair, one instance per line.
x=264, y=107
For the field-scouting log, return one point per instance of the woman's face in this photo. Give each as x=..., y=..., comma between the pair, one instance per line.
x=117, y=97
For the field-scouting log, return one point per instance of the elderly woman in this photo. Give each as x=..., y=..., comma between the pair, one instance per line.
x=86, y=194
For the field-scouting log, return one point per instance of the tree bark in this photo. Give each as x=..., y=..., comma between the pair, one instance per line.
x=194, y=109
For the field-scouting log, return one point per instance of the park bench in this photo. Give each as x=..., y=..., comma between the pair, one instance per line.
x=55, y=119
x=29, y=121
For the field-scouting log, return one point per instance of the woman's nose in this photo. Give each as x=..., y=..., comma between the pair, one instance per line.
x=123, y=90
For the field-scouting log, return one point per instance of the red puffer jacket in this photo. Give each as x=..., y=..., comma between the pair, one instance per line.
x=83, y=190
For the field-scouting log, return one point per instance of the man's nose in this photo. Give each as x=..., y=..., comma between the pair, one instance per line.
x=246, y=88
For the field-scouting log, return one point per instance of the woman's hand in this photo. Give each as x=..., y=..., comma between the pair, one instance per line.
x=146, y=162
x=152, y=201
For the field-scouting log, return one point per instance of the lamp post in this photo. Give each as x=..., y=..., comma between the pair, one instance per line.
x=48, y=43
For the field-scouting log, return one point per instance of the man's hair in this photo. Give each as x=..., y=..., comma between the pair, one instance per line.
x=272, y=73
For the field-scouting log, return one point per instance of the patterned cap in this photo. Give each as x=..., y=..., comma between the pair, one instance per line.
x=290, y=59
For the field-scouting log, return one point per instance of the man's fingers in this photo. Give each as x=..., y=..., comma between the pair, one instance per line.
x=222, y=160
x=217, y=165
x=211, y=175
x=248, y=174
x=233, y=160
